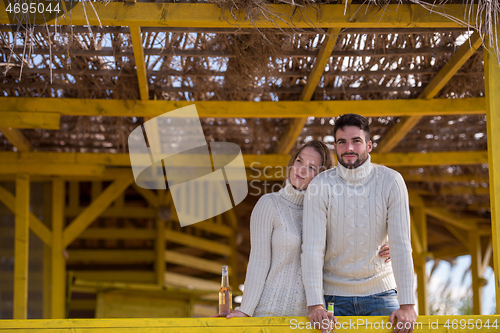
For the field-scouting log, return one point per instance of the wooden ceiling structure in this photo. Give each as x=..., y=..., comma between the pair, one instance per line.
x=451, y=194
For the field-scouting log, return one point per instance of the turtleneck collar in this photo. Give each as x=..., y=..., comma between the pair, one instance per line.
x=291, y=194
x=358, y=175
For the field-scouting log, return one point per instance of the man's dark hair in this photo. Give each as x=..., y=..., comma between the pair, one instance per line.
x=351, y=119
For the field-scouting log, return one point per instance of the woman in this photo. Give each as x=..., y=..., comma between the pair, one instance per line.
x=273, y=284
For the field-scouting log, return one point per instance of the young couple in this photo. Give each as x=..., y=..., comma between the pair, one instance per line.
x=324, y=245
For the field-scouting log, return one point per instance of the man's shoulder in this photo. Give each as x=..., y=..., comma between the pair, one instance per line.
x=386, y=171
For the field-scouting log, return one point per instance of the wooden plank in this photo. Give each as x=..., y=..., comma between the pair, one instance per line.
x=16, y=138
x=425, y=324
x=444, y=215
x=112, y=211
x=57, y=170
x=179, y=280
x=197, y=242
x=459, y=234
x=58, y=272
x=247, y=109
x=289, y=139
x=94, y=210
x=31, y=120
x=21, y=248
x=258, y=161
x=116, y=275
x=405, y=125
x=193, y=262
x=492, y=87
x=140, y=65
x=117, y=233
x=112, y=255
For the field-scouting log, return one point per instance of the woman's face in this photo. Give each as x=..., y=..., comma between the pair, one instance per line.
x=305, y=167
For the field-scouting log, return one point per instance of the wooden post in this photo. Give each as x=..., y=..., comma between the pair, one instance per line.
x=420, y=220
x=58, y=290
x=492, y=87
x=22, y=204
x=160, y=245
x=475, y=264
x=47, y=251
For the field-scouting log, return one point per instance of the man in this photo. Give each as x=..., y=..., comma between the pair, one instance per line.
x=349, y=213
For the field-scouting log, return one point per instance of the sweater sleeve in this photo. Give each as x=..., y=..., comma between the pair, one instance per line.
x=261, y=229
x=398, y=221
x=314, y=240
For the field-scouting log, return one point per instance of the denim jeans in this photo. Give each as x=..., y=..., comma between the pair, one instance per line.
x=382, y=304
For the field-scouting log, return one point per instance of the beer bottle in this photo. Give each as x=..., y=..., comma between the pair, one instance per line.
x=225, y=294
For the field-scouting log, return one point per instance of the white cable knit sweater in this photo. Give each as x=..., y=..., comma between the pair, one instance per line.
x=348, y=215
x=273, y=284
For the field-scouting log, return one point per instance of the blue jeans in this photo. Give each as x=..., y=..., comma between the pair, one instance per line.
x=382, y=304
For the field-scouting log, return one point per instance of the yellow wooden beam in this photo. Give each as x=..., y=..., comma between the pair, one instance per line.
x=125, y=212
x=444, y=215
x=246, y=109
x=50, y=170
x=55, y=160
x=295, y=127
x=206, y=265
x=210, y=16
x=16, y=138
x=432, y=159
x=95, y=209
x=35, y=224
x=492, y=87
x=424, y=324
x=47, y=251
x=140, y=65
x=119, y=276
x=160, y=246
x=58, y=272
x=117, y=233
x=461, y=235
x=21, y=248
x=399, y=131
x=112, y=255
x=186, y=281
x=456, y=190
x=444, y=178
x=46, y=120
x=197, y=242
x=488, y=253
x=476, y=263
x=455, y=251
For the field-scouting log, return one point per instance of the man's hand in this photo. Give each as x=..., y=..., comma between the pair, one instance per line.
x=319, y=317
x=236, y=313
x=384, y=252
x=406, y=316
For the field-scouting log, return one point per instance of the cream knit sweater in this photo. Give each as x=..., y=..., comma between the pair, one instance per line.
x=348, y=215
x=273, y=284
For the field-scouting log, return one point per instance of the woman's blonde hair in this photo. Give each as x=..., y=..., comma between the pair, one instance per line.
x=326, y=156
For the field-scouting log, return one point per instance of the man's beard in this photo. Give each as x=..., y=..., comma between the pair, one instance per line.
x=356, y=163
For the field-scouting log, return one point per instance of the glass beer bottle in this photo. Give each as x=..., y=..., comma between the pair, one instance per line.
x=225, y=294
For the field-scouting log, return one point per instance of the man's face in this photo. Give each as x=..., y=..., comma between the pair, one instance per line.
x=351, y=146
